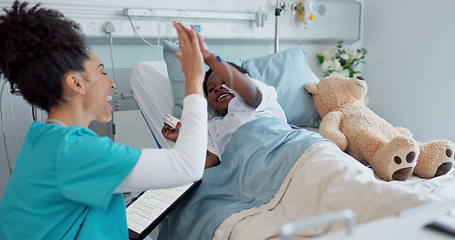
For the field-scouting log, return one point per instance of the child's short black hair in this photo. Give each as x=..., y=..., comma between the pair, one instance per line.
x=207, y=74
x=38, y=46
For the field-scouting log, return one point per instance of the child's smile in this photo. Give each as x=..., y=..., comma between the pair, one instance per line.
x=218, y=94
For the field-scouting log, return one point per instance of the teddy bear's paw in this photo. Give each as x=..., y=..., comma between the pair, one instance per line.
x=436, y=159
x=396, y=160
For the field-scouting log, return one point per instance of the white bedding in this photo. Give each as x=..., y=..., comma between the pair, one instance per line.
x=324, y=180
x=152, y=91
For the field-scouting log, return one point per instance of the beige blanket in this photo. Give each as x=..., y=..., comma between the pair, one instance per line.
x=325, y=179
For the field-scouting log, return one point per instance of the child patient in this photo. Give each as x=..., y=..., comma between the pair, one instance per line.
x=236, y=99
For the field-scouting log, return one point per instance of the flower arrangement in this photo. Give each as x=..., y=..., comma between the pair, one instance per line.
x=341, y=61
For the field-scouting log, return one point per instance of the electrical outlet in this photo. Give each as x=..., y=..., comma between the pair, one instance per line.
x=92, y=27
x=95, y=28
x=89, y=27
x=119, y=26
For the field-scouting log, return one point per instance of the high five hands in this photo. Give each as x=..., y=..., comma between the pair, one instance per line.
x=191, y=58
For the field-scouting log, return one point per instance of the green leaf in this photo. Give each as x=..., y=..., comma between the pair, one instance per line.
x=339, y=43
x=320, y=58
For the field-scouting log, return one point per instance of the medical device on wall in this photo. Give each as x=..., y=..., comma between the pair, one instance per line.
x=260, y=18
x=241, y=21
x=109, y=28
x=306, y=12
x=136, y=13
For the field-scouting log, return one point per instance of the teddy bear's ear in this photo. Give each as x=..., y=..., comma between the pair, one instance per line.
x=312, y=88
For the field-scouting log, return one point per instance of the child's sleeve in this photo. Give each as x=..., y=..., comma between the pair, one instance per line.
x=269, y=96
x=211, y=143
x=269, y=102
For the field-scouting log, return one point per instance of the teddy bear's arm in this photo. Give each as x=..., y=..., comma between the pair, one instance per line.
x=404, y=131
x=330, y=128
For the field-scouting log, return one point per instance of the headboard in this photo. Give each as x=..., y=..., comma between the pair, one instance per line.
x=224, y=20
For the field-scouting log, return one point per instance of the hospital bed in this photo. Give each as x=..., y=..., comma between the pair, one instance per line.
x=323, y=180
x=151, y=89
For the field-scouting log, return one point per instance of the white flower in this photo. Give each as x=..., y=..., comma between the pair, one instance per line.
x=332, y=59
x=329, y=54
x=351, y=52
x=345, y=56
x=336, y=65
x=326, y=66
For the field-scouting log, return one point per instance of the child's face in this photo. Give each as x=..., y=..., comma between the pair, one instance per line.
x=218, y=96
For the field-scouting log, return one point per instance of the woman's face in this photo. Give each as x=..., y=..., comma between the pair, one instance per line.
x=99, y=89
x=218, y=96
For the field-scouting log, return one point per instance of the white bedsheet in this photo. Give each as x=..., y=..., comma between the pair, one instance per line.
x=151, y=89
x=324, y=180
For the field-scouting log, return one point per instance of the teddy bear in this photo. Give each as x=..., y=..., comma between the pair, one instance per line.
x=391, y=151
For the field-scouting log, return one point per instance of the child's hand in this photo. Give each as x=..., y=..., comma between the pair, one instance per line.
x=171, y=133
x=205, y=52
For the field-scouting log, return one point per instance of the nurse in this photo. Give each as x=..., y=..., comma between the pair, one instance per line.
x=68, y=182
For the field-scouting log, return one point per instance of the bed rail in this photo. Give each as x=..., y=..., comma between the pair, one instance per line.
x=346, y=215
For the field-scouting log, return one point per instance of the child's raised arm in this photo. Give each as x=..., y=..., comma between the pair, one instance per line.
x=232, y=77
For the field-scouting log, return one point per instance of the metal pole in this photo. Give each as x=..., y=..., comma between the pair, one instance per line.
x=277, y=23
x=278, y=10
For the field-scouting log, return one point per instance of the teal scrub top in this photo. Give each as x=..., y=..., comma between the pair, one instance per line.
x=63, y=184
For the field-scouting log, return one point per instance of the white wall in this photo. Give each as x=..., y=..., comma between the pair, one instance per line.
x=127, y=56
x=410, y=64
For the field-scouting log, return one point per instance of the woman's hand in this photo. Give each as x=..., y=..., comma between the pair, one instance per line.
x=171, y=133
x=191, y=59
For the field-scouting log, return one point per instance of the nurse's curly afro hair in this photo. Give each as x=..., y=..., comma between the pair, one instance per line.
x=38, y=46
